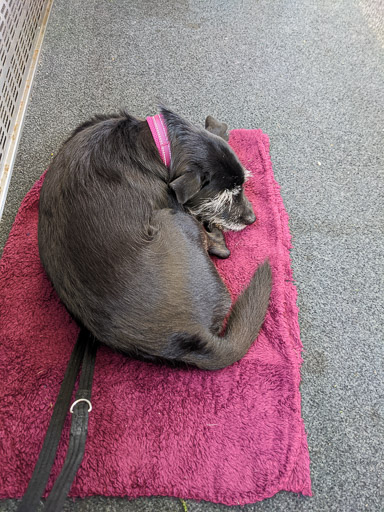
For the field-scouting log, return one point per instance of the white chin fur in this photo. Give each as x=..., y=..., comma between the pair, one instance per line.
x=233, y=227
x=224, y=226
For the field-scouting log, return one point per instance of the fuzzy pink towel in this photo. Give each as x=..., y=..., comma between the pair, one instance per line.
x=232, y=436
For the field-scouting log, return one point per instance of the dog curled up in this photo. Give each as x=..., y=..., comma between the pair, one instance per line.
x=126, y=240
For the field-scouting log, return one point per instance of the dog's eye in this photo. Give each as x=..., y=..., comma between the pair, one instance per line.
x=204, y=181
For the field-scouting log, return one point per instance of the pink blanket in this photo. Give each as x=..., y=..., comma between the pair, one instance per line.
x=232, y=436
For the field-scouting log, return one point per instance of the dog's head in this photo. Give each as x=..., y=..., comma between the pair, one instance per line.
x=206, y=175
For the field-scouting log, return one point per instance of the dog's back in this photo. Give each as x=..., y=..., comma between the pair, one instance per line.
x=95, y=205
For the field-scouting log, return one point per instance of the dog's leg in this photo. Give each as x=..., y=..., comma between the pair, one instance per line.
x=201, y=347
x=188, y=312
x=216, y=243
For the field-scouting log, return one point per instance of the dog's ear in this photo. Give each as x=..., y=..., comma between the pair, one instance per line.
x=176, y=125
x=213, y=126
x=186, y=186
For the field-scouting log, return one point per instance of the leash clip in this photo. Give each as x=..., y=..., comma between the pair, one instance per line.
x=81, y=400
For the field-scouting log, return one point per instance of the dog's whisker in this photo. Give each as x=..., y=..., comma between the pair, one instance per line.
x=247, y=174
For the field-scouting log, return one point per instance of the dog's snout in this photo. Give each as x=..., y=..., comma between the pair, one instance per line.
x=248, y=215
x=249, y=218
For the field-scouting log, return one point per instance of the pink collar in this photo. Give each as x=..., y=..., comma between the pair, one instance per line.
x=159, y=132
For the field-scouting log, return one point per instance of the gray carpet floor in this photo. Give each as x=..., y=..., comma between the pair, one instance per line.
x=310, y=73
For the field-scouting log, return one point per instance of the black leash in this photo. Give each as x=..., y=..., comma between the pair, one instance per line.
x=83, y=354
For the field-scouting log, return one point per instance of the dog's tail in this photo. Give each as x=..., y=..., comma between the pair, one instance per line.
x=210, y=352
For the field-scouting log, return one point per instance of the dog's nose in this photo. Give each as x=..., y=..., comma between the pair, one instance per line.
x=249, y=218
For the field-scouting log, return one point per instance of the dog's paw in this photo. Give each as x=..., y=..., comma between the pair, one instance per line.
x=219, y=252
x=216, y=243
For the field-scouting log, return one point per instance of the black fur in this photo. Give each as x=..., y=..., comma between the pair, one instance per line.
x=120, y=239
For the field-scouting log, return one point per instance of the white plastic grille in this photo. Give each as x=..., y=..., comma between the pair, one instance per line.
x=22, y=27
x=19, y=21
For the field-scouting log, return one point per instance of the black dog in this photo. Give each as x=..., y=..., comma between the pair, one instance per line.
x=121, y=237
